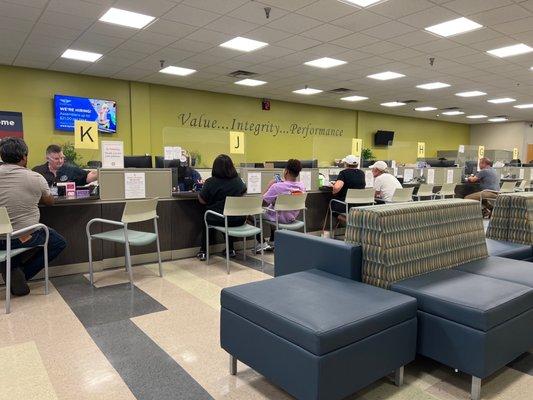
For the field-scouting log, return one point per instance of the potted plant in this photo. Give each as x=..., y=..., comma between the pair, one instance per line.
x=71, y=155
x=196, y=158
x=367, y=154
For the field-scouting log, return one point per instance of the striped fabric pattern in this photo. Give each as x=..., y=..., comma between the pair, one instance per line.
x=512, y=218
x=409, y=239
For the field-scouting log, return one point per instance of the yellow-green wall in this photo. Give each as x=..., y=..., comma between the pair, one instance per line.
x=149, y=118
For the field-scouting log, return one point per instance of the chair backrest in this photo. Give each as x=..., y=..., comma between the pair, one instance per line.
x=508, y=187
x=243, y=206
x=139, y=210
x=403, y=195
x=5, y=222
x=448, y=189
x=524, y=184
x=425, y=190
x=290, y=202
x=360, y=196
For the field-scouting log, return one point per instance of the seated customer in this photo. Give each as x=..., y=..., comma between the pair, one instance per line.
x=289, y=185
x=224, y=182
x=489, y=183
x=188, y=178
x=385, y=184
x=55, y=170
x=20, y=192
x=349, y=178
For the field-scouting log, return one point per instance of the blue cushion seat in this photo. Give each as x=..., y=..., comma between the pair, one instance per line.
x=506, y=269
x=509, y=250
x=135, y=238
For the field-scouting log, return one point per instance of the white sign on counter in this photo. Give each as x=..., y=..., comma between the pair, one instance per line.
x=112, y=154
x=172, y=153
x=449, y=176
x=462, y=148
x=431, y=176
x=134, y=185
x=305, y=177
x=369, y=178
x=408, y=175
x=521, y=173
x=254, y=182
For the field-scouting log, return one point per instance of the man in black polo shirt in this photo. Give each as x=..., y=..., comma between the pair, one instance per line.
x=56, y=171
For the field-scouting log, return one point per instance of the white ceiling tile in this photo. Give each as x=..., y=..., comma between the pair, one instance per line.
x=13, y=10
x=297, y=42
x=517, y=26
x=389, y=30
x=103, y=28
x=77, y=7
x=208, y=36
x=381, y=48
x=268, y=35
x=474, y=6
x=191, y=15
x=191, y=45
x=294, y=23
x=154, y=8
x=66, y=20
x=171, y=28
x=16, y=24
x=360, y=21
x=355, y=41
x=326, y=32
x=291, y=5
x=219, y=6
x=429, y=17
x=153, y=38
x=326, y=10
x=398, y=9
x=254, y=12
x=232, y=26
x=501, y=15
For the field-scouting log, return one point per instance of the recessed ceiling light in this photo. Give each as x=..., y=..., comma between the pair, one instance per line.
x=503, y=100
x=307, y=91
x=325, y=62
x=354, y=98
x=243, y=44
x=453, y=113
x=524, y=106
x=177, y=71
x=477, y=116
x=510, y=51
x=433, y=85
x=425, y=109
x=250, y=82
x=454, y=27
x=393, y=104
x=126, y=18
x=81, y=55
x=473, y=93
x=385, y=76
x=499, y=119
x=361, y=3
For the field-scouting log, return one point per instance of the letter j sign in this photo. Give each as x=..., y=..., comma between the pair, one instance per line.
x=236, y=142
x=86, y=135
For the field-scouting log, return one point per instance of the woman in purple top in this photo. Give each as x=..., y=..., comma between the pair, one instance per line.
x=276, y=187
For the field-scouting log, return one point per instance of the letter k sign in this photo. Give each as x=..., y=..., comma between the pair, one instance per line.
x=85, y=135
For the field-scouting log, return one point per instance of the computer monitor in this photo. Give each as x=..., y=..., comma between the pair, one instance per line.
x=433, y=162
x=160, y=162
x=470, y=167
x=137, y=161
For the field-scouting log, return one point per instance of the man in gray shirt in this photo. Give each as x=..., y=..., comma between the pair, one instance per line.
x=21, y=190
x=489, y=183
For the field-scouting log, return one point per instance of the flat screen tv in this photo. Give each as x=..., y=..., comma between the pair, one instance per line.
x=383, y=138
x=68, y=109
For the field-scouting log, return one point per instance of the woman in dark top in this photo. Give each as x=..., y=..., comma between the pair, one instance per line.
x=224, y=182
x=349, y=178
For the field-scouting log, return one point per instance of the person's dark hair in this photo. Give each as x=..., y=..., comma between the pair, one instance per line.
x=13, y=150
x=53, y=148
x=486, y=161
x=294, y=167
x=223, y=168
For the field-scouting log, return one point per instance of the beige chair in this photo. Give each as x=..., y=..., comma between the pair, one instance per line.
x=134, y=211
x=237, y=207
x=524, y=186
x=6, y=231
x=425, y=190
x=402, y=195
x=289, y=202
x=508, y=187
x=447, y=189
x=354, y=197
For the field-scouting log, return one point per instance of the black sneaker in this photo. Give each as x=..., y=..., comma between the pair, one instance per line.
x=201, y=256
x=232, y=254
x=19, y=286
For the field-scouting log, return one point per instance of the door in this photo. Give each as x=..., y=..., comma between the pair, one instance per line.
x=529, y=152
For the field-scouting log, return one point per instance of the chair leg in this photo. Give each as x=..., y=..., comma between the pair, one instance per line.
x=398, y=376
x=8, y=276
x=158, y=248
x=207, y=243
x=244, y=248
x=91, y=271
x=232, y=365
x=227, y=252
x=475, y=392
x=262, y=241
x=46, y=277
x=128, y=263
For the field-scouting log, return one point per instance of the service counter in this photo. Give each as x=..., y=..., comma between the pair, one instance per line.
x=180, y=222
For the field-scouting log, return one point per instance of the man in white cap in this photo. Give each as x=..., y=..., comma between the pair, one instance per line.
x=349, y=178
x=385, y=184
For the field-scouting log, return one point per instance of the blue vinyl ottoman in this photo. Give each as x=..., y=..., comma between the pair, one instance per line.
x=318, y=335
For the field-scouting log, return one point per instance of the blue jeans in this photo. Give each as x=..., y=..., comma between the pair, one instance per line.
x=32, y=266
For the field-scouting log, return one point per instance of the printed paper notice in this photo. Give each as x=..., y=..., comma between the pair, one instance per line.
x=408, y=175
x=431, y=176
x=134, y=185
x=449, y=176
x=521, y=174
x=112, y=154
x=172, y=152
x=462, y=148
x=369, y=178
x=305, y=177
x=254, y=182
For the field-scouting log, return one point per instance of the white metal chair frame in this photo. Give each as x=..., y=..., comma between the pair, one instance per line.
x=10, y=234
x=277, y=209
x=408, y=192
x=507, y=187
x=425, y=190
x=124, y=226
x=353, y=200
x=447, y=189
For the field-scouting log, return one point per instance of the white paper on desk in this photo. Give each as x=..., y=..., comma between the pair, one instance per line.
x=431, y=176
x=449, y=176
x=305, y=177
x=408, y=175
x=112, y=154
x=254, y=182
x=521, y=173
x=369, y=179
x=134, y=185
x=462, y=148
x=172, y=153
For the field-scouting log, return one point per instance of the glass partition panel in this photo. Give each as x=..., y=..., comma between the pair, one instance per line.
x=329, y=151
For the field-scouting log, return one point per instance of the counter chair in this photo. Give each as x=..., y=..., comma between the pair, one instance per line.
x=447, y=189
x=425, y=190
x=237, y=207
x=289, y=202
x=134, y=211
x=507, y=187
x=524, y=186
x=354, y=197
x=402, y=195
x=6, y=231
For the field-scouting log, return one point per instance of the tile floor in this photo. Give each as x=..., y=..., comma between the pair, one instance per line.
x=161, y=341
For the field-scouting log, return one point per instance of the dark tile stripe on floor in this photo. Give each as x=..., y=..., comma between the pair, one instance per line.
x=105, y=312
x=253, y=262
x=524, y=363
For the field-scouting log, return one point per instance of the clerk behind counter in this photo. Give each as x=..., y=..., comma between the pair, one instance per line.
x=55, y=170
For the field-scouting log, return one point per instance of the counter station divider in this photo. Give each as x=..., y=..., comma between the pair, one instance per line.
x=307, y=175
x=157, y=182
